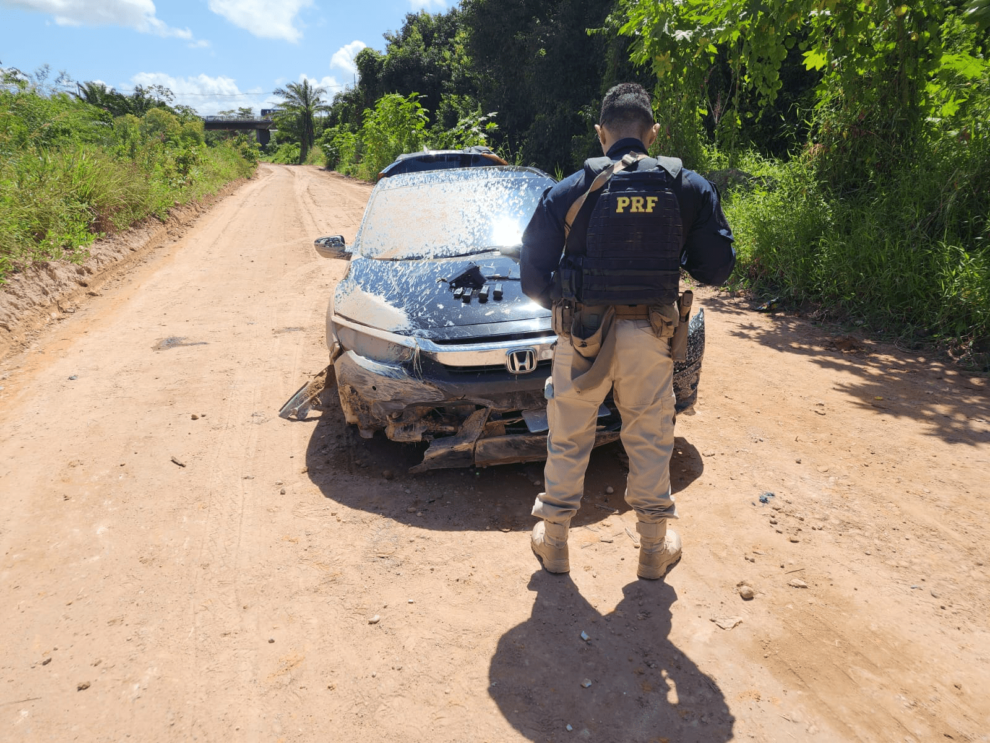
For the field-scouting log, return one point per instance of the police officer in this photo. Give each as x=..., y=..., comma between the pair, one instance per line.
x=604, y=249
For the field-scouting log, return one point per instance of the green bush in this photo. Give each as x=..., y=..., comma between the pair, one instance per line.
x=472, y=128
x=69, y=173
x=908, y=253
x=285, y=154
x=395, y=126
x=342, y=150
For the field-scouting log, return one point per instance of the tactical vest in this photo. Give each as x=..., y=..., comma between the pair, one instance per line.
x=631, y=252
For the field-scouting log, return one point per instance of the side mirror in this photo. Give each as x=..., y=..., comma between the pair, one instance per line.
x=332, y=246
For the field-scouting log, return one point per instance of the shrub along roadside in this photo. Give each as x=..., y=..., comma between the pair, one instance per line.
x=70, y=173
x=396, y=125
x=882, y=214
x=908, y=255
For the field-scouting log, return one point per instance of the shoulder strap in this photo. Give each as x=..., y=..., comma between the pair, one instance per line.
x=596, y=165
x=672, y=165
x=598, y=184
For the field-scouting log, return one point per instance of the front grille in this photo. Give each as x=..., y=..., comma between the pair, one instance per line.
x=488, y=368
x=536, y=334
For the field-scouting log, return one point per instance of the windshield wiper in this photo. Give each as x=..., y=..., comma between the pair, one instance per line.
x=479, y=251
x=510, y=252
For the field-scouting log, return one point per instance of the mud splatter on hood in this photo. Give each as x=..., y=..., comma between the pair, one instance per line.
x=413, y=297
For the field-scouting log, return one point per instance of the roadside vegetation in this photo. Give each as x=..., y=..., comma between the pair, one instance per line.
x=77, y=166
x=850, y=140
x=878, y=210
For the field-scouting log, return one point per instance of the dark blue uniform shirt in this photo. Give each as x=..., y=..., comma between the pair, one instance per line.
x=707, y=255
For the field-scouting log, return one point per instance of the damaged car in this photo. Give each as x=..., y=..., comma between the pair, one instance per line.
x=431, y=338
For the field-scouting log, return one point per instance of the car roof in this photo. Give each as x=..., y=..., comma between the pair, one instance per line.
x=501, y=172
x=414, y=162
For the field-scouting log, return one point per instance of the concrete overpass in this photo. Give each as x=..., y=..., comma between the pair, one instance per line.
x=262, y=127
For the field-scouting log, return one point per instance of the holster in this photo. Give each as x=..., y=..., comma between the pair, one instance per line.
x=562, y=317
x=678, y=344
x=589, y=328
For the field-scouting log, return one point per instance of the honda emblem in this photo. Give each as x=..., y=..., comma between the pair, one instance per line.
x=521, y=361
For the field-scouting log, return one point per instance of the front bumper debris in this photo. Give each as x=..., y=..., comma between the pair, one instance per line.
x=466, y=419
x=465, y=423
x=307, y=396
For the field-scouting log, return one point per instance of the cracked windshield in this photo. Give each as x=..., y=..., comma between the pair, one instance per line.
x=420, y=219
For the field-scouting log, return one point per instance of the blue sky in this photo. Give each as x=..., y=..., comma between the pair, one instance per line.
x=214, y=54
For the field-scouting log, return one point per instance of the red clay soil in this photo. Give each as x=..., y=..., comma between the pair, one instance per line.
x=178, y=563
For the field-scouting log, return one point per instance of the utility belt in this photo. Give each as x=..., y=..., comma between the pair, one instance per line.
x=578, y=323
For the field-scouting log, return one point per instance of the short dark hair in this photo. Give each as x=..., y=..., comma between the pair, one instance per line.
x=627, y=105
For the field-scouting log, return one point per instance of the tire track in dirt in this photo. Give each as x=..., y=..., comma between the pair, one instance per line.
x=222, y=558
x=237, y=457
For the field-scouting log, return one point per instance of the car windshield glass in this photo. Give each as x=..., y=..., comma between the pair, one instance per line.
x=430, y=217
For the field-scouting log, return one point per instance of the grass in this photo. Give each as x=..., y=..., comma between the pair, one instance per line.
x=908, y=254
x=54, y=204
x=69, y=174
x=286, y=153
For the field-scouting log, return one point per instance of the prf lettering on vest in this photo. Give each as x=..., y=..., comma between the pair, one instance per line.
x=635, y=204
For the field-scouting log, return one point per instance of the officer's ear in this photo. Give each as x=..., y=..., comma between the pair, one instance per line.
x=651, y=135
x=602, y=137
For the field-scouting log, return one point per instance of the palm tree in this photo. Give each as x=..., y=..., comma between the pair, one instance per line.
x=95, y=94
x=142, y=100
x=301, y=102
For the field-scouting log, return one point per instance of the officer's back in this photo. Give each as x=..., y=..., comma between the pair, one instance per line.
x=604, y=250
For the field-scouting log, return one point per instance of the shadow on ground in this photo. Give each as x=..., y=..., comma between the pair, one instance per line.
x=643, y=688
x=372, y=475
x=952, y=405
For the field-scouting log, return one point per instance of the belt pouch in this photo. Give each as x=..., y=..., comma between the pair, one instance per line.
x=664, y=319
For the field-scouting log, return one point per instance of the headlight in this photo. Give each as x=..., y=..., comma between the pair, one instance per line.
x=372, y=348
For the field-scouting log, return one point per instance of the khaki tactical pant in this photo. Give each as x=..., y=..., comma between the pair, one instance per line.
x=641, y=374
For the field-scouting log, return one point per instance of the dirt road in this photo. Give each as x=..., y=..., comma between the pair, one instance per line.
x=177, y=563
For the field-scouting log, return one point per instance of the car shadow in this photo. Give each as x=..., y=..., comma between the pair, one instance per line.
x=951, y=404
x=372, y=475
x=628, y=683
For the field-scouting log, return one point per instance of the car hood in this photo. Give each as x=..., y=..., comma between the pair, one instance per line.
x=414, y=297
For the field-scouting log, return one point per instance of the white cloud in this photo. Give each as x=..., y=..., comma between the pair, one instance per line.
x=343, y=58
x=136, y=14
x=206, y=94
x=329, y=82
x=268, y=19
x=428, y=4
x=210, y=95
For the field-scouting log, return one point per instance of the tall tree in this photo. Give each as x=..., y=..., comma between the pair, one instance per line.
x=544, y=76
x=301, y=102
x=889, y=71
x=95, y=94
x=419, y=58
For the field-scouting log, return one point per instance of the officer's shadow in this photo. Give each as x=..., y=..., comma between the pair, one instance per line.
x=642, y=688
